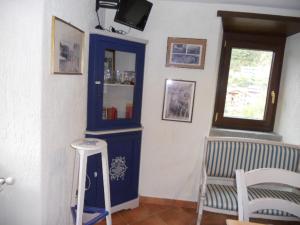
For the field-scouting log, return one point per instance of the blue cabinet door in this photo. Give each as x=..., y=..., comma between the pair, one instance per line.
x=98, y=46
x=124, y=163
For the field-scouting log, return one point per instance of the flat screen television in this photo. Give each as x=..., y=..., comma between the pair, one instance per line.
x=133, y=13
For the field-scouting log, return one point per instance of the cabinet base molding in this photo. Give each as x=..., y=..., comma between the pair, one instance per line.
x=168, y=202
x=126, y=205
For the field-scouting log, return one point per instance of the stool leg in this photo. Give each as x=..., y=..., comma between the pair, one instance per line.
x=106, y=185
x=81, y=188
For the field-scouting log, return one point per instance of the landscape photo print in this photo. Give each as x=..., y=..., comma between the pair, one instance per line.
x=186, y=52
x=67, y=48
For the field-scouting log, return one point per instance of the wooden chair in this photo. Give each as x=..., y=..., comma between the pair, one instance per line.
x=236, y=222
x=249, y=202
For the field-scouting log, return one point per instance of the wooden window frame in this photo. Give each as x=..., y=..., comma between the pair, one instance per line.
x=252, y=42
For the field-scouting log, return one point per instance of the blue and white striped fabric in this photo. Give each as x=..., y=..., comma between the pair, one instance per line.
x=224, y=157
x=225, y=197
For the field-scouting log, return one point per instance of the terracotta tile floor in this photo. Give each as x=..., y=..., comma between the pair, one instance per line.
x=149, y=214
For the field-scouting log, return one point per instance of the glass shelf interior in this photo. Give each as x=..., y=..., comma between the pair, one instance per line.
x=119, y=82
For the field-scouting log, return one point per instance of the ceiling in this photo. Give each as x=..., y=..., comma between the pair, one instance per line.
x=284, y=4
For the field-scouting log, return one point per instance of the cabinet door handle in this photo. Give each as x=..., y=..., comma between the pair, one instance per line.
x=97, y=82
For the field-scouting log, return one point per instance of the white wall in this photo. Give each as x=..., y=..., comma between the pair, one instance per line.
x=41, y=114
x=64, y=101
x=287, y=118
x=20, y=111
x=172, y=151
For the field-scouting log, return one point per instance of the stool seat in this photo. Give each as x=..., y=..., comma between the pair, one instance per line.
x=89, y=145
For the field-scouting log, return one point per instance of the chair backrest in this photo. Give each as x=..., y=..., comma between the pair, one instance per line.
x=225, y=155
x=260, y=176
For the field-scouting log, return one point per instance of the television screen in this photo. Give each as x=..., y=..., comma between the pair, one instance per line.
x=133, y=13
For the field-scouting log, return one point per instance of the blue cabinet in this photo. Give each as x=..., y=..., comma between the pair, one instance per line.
x=115, y=85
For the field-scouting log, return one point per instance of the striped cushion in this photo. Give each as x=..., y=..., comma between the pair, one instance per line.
x=223, y=157
x=225, y=197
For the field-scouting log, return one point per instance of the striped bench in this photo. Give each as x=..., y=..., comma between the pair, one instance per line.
x=223, y=155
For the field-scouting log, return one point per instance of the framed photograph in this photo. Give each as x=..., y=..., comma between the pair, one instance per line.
x=179, y=100
x=186, y=52
x=67, y=48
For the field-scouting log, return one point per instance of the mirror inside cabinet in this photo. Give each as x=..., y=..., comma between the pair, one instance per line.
x=119, y=82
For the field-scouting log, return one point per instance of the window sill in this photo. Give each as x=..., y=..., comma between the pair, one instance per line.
x=245, y=134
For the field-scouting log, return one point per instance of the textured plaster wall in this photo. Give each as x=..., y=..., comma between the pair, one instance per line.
x=20, y=110
x=172, y=151
x=40, y=113
x=288, y=120
x=64, y=100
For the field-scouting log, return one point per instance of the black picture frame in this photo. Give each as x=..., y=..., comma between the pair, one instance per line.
x=178, y=100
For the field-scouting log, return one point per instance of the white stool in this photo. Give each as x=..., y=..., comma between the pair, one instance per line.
x=86, y=147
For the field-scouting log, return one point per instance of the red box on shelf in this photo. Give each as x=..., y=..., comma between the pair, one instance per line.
x=129, y=108
x=112, y=113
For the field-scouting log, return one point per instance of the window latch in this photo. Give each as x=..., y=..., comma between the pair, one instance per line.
x=273, y=96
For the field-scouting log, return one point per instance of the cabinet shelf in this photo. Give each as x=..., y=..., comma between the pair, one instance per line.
x=118, y=85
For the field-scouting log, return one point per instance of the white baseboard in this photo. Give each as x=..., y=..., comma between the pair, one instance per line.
x=126, y=205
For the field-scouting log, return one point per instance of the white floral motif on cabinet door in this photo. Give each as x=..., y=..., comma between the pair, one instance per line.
x=118, y=168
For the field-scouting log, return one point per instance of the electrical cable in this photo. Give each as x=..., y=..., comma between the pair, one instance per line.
x=114, y=30
x=87, y=176
x=99, y=25
x=111, y=28
x=89, y=182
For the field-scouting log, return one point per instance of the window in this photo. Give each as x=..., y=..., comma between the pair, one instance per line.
x=248, y=82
